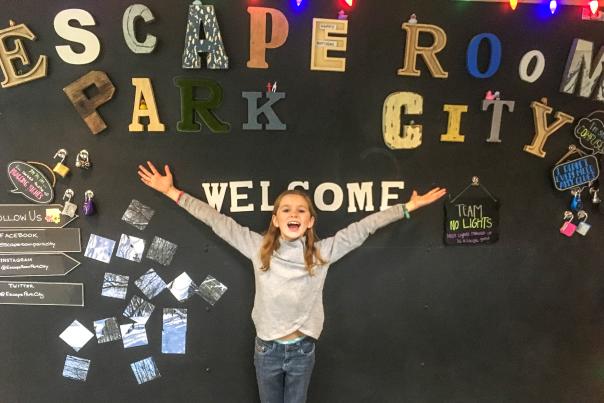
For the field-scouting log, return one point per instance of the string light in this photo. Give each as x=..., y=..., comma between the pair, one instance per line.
x=349, y=2
x=594, y=5
x=298, y=2
x=513, y=4
x=553, y=5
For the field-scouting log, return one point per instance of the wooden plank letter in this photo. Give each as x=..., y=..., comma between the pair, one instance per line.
x=542, y=130
x=258, y=44
x=498, y=105
x=452, y=134
x=583, y=72
x=144, y=92
x=131, y=16
x=189, y=106
x=92, y=46
x=87, y=107
x=411, y=136
x=322, y=42
x=428, y=53
x=11, y=77
x=212, y=44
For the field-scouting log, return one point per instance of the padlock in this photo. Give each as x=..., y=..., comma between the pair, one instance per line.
x=583, y=226
x=60, y=168
x=88, y=208
x=69, y=208
x=568, y=228
x=83, y=160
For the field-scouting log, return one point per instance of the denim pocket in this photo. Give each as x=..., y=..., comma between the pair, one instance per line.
x=307, y=346
x=263, y=347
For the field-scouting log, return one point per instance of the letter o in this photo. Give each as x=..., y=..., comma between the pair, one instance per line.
x=472, y=55
x=338, y=196
x=537, y=71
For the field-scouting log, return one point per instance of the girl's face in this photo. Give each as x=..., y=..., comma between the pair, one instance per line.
x=293, y=217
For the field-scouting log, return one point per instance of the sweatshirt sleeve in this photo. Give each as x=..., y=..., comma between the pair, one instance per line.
x=353, y=236
x=241, y=238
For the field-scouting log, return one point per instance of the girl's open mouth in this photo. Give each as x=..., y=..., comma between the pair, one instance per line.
x=293, y=225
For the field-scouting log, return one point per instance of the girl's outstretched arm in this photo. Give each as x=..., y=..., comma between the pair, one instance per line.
x=417, y=201
x=155, y=180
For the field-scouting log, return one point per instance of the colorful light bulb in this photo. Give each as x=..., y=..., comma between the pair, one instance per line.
x=513, y=4
x=553, y=5
x=594, y=5
x=298, y=2
x=349, y=2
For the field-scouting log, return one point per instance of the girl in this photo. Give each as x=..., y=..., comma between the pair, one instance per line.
x=290, y=265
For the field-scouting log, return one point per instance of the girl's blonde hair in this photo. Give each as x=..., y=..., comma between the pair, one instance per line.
x=270, y=243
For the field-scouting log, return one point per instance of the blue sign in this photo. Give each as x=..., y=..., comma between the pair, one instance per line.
x=576, y=172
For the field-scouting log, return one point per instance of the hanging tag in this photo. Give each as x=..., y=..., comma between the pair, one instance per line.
x=88, y=207
x=61, y=169
x=583, y=226
x=568, y=228
x=69, y=208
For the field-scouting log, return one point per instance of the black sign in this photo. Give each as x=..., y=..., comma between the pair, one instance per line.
x=471, y=221
x=30, y=182
x=590, y=133
x=58, y=264
x=29, y=293
x=33, y=216
x=576, y=172
x=52, y=240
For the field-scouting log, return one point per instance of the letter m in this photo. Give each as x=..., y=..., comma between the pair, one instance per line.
x=584, y=71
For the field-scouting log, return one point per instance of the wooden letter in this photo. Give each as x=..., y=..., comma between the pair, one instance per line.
x=144, y=93
x=582, y=71
x=412, y=50
x=11, y=77
x=542, y=130
x=267, y=110
x=92, y=46
x=87, y=107
x=524, y=65
x=212, y=45
x=454, y=123
x=131, y=15
x=258, y=44
x=496, y=120
x=203, y=108
x=322, y=42
x=411, y=136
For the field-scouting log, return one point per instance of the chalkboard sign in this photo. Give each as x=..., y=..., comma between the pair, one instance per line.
x=471, y=221
x=34, y=293
x=30, y=182
x=590, y=133
x=576, y=172
x=50, y=240
x=33, y=216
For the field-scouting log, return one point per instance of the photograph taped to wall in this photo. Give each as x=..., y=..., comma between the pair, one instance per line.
x=145, y=370
x=133, y=335
x=182, y=287
x=130, y=248
x=174, y=332
x=99, y=248
x=115, y=286
x=211, y=290
x=150, y=284
x=161, y=251
x=138, y=215
x=76, y=368
x=139, y=310
x=107, y=330
x=76, y=335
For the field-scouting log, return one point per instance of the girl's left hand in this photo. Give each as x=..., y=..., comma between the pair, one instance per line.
x=416, y=201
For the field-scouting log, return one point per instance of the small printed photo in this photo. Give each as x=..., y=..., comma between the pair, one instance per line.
x=107, y=330
x=115, y=286
x=76, y=335
x=130, y=248
x=211, y=290
x=76, y=368
x=182, y=287
x=133, y=335
x=139, y=310
x=145, y=370
x=150, y=283
x=174, y=332
x=99, y=248
x=162, y=251
x=138, y=215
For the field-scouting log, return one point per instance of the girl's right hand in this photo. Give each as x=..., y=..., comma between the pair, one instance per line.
x=155, y=180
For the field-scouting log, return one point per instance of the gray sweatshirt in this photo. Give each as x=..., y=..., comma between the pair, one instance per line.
x=287, y=297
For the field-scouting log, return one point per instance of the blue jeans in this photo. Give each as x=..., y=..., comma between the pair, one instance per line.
x=283, y=370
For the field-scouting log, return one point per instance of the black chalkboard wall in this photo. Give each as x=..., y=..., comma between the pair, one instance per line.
x=407, y=319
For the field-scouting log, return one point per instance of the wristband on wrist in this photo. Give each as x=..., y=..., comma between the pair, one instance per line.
x=180, y=194
x=406, y=212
